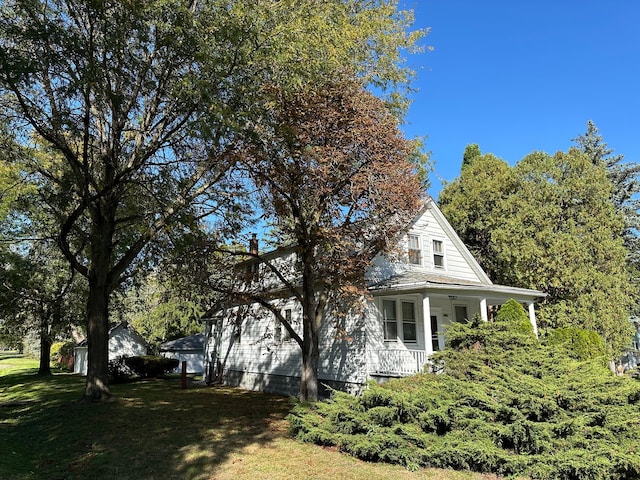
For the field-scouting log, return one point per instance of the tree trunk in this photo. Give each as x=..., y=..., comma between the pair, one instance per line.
x=45, y=349
x=310, y=357
x=97, y=386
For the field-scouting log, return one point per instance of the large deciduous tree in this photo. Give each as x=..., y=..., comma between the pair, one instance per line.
x=40, y=294
x=140, y=99
x=334, y=175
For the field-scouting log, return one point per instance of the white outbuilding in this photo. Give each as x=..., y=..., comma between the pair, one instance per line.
x=188, y=349
x=124, y=341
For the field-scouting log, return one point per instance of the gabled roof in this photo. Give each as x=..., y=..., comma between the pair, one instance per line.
x=415, y=280
x=453, y=236
x=193, y=342
x=120, y=326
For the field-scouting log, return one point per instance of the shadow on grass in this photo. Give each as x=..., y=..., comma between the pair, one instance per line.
x=151, y=429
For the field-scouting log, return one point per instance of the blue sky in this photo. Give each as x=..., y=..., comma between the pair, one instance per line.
x=520, y=76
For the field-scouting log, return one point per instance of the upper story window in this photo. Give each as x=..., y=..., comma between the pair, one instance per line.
x=414, y=251
x=438, y=254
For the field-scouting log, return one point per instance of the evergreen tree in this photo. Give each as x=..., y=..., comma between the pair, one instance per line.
x=548, y=223
x=471, y=202
x=625, y=180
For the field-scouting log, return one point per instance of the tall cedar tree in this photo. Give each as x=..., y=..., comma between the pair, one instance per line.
x=469, y=202
x=548, y=223
x=141, y=98
x=334, y=173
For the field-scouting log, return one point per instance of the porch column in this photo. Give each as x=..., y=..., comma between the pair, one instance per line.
x=484, y=314
x=532, y=318
x=426, y=323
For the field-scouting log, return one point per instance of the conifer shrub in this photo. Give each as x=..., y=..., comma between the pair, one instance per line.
x=504, y=403
x=513, y=312
x=577, y=342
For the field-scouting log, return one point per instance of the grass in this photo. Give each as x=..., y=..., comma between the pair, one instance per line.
x=156, y=430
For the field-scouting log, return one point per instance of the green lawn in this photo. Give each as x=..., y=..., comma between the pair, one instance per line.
x=156, y=430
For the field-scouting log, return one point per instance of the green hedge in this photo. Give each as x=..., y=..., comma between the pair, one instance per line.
x=145, y=366
x=504, y=404
x=148, y=366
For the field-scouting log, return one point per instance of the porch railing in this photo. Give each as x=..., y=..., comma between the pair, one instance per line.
x=401, y=362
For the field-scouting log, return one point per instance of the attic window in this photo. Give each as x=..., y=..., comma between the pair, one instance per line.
x=414, y=252
x=438, y=254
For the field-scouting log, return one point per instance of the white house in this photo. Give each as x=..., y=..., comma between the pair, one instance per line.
x=124, y=341
x=186, y=349
x=415, y=295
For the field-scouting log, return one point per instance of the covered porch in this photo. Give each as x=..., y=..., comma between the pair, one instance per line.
x=413, y=319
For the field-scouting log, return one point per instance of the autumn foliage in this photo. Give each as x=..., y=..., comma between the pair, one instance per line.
x=334, y=175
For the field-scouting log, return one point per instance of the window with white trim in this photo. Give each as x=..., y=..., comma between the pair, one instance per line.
x=409, y=328
x=461, y=313
x=389, y=320
x=287, y=317
x=414, y=252
x=280, y=332
x=435, y=341
x=438, y=253
x=399, y=320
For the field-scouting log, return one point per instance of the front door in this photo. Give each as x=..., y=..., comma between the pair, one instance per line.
x=437, y=337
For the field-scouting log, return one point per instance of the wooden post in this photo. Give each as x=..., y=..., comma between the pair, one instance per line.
x=184, y=374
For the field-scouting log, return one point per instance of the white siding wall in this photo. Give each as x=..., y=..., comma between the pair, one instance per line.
x=122, y=343
x=195, y=361
x=427, y=228
x=257, y=354
x=351, y=359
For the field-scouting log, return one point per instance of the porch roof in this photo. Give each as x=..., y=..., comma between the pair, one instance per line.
x=422, y=281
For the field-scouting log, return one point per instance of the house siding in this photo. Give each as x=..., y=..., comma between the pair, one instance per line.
x=122, y=343
x=257, y=362
x=427, y=228
x=348, y=361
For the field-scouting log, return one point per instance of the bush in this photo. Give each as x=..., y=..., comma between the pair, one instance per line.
x=62, y=355
x=513, y=312
x=577, y=342
x=119, y=371
x=148, y=366
x=505, y=404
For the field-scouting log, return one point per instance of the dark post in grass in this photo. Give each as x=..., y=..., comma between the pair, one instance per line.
x=184, y=374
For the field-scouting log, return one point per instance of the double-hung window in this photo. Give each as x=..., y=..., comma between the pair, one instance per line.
x=438, y=254
x=414, y=251
x=409, y=329
x=390, y=320
x=399, y=320
x=287, y=317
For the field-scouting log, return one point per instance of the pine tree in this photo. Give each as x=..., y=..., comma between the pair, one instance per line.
x=625, y=180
